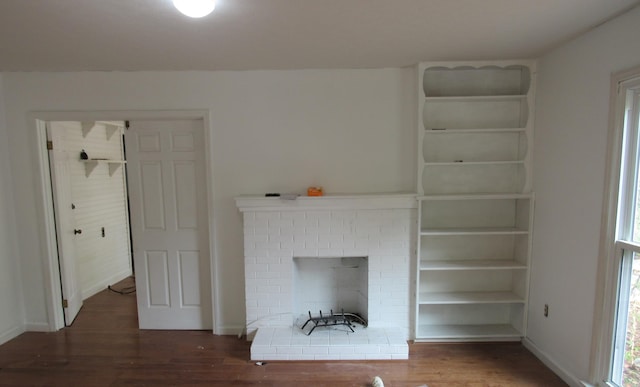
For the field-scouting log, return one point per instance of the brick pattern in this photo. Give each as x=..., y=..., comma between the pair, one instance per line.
x=273, y=238
x=365, y=344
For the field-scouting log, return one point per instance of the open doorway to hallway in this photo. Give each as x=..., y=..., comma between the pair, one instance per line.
x=169, y=196
x=88, y=181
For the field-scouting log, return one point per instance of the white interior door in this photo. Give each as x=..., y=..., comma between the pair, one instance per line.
x=65, y=221
x=169, y=223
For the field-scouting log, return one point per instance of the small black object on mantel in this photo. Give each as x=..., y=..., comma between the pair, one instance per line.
x=84, y=155
x=272, y=195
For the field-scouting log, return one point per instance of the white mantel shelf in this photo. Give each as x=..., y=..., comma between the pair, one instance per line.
x=329, y=202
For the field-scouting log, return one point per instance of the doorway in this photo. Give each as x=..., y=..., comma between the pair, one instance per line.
x=204, y=208
x=86, y=161
x=169, y=228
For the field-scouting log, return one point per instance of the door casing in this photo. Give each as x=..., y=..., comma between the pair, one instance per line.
x=46, y=232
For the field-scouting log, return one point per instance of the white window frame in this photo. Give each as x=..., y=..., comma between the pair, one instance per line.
x=616, y=238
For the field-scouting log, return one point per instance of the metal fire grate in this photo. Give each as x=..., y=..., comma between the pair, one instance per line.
x=342, y=318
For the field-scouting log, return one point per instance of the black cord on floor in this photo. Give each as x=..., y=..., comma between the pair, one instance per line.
x=125, y=290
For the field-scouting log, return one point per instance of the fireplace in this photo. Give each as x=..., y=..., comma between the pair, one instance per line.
x=351, y=251
x=330, y=286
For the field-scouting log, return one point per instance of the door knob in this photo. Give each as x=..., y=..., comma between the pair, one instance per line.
x=77, y=231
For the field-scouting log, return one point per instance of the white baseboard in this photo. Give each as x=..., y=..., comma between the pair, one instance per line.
x=11, y=333
x=37, y=327
x=102, y=284
x=234, y=330
x=565, y=375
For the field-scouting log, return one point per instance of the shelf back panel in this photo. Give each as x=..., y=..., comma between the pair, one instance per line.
x=470, y=314
x=473, y=179
x=470, y=81
x=474, y=247
x=497, y=213
x=466, y=281
x=473, y=147
x=490, y=114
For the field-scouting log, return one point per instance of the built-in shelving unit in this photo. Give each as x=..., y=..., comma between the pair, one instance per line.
x=476, y=204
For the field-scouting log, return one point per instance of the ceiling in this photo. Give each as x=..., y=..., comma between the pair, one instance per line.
x=72, y=35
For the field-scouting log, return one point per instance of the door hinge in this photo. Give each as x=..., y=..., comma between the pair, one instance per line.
x=49, y=145
x=126, y=124
x=65, y=303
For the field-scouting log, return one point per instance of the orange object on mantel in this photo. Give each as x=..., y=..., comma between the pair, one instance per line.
x=314, y=191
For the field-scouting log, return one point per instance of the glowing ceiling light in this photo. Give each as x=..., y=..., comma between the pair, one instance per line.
x=195, y=8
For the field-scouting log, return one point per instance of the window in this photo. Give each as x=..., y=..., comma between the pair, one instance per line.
x=617, y=350
x=625, y=367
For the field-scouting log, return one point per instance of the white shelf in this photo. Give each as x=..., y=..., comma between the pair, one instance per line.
x=451, y=298
x=478, y=98
x=463, y=163
x=476, y=196
x=475, y=231
x=430, y=131
x=467, y=332
x=472, y=265
x=91, y=164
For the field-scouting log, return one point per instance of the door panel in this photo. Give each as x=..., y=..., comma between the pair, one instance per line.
x=65, y=221
x=185, y=177
x=167, y=185
x=189, y=264
x=152, y=195
x=157, y=279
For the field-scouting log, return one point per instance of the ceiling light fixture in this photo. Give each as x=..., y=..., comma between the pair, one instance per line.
x=195, y=8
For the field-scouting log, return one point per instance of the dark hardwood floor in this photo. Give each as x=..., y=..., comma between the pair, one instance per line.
x=105, y=348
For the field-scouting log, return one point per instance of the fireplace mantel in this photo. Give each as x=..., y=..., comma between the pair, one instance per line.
x=329, y=202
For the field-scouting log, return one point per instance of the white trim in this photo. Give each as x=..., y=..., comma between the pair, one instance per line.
x=607, y=274
x=11, y=333
x=332, y=202
x=563, y=373
x=628, y=245
x=231, y=330
x=208, y=157
x=37, y=327
x=45, y=231
x=532, y=64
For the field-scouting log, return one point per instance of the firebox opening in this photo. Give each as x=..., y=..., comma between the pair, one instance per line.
x=330, y=284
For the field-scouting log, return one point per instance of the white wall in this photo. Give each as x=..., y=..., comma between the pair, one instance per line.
x=12, y=317
x=570, y=143
x=350, y=131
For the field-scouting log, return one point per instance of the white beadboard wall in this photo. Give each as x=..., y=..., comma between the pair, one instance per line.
x=100, y=201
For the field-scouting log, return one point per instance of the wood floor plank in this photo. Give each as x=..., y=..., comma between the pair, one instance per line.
x=105, y=348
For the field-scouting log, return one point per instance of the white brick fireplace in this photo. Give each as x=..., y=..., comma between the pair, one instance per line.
x=377, y=228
